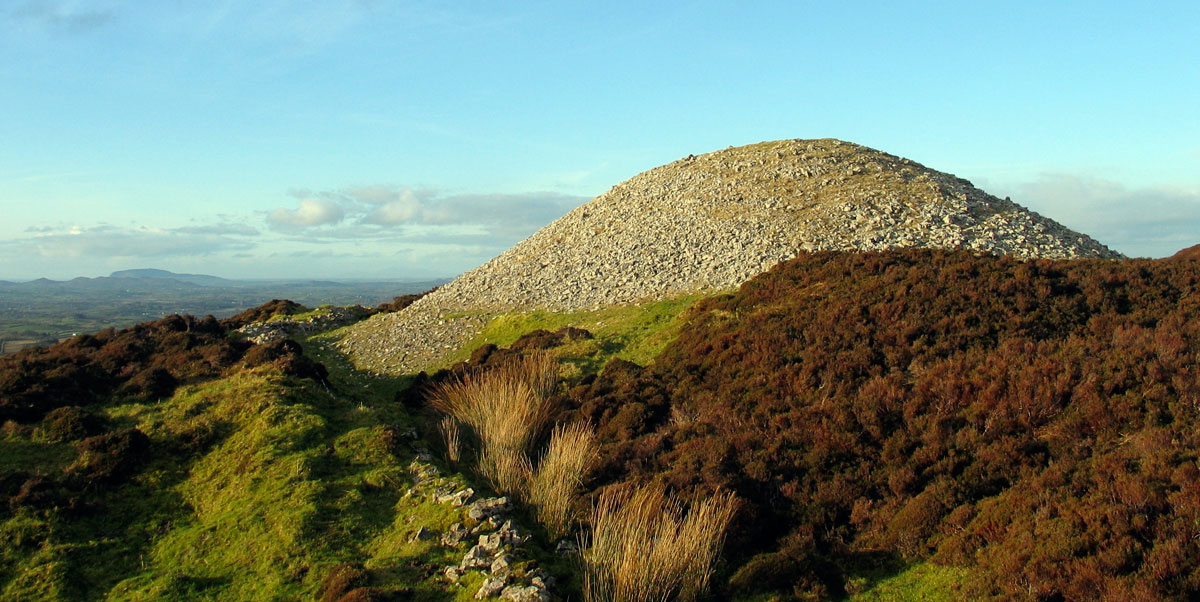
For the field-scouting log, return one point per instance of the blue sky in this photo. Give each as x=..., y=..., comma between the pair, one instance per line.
x=374, y=139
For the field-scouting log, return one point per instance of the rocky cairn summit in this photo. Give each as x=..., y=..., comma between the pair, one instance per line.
x=711, y=222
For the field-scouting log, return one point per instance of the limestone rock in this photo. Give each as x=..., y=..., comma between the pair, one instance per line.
x=490, y=588
x=488, y=507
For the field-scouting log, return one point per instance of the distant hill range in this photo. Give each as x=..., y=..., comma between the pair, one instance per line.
x=156, y=279
x=139, y=279
x=153, y=274
x=44, y=310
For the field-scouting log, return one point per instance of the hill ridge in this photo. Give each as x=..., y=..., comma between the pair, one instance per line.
x=713, y=221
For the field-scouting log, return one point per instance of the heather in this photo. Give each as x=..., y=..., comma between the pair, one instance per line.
x=1033, y=421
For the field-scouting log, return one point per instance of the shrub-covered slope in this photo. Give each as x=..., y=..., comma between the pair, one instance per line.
x=1035, y=421
x=231, y=472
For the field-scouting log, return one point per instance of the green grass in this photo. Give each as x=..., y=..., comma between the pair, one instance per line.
x=923, y=581
x=305, y=314
x=257, y=486
x=637, y=333
x=22, y=453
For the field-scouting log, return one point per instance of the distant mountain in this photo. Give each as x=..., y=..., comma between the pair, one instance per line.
x=156, y=274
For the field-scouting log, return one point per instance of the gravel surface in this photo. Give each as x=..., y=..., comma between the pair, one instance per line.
x=711, y=222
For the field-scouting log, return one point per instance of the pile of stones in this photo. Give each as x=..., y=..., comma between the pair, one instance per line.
x=711, y=222
x=499, y=543
x=276, y=330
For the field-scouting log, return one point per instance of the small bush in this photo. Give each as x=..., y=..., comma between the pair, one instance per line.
x=341, y=580
x=264, y=312
x=289, y=356
x=151, y=384
x=773, y=571
x=400, y=302
x=69, y=423
x=111, y=457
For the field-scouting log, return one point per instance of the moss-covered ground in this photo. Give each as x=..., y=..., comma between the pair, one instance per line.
x=921, y=581
x=255, y=487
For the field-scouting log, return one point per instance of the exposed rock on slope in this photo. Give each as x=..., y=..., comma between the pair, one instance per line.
x=711, y=222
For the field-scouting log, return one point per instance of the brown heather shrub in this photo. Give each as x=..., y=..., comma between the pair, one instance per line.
x=341, y=580
x=401, y=302
x=1036, y=421
x=554, y=487
x=68, y=423
x=645, y=548
x=141, y=363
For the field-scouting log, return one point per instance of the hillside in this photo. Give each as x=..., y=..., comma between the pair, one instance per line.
x=176, y=461
x=1030, y=426
x=709, y=223
x=935, y=424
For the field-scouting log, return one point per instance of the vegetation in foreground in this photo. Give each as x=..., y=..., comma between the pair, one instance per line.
x=1033, y=421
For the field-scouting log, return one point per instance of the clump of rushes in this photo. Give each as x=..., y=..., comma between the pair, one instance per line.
x=554, y=486
x=507, y=409
x=452, y=437
x=645, y=548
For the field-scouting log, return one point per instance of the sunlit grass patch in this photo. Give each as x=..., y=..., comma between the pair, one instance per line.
x=923, y=581
x=636, y=333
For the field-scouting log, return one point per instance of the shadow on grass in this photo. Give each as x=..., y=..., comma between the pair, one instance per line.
x=878, y=576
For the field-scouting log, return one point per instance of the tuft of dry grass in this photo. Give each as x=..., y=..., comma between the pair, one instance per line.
x=554, y=487
x=452, y=437
x=507, y=409
x=645, y=548
x=508, y=470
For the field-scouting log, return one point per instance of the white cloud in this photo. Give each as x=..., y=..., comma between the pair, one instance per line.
x=62, y=15
x=312, y=212
x=377, y=194
x=222, y=229
x=1143, y=222
x=402, y=208
x=112, y=241
x=394, y=212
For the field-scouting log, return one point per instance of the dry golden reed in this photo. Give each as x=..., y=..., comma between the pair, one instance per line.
x=554, y=487
x=507, y=409
x=452, y=437
x=645, y=548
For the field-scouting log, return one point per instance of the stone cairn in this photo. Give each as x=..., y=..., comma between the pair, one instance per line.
x=709, y=223
x=499, y=548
